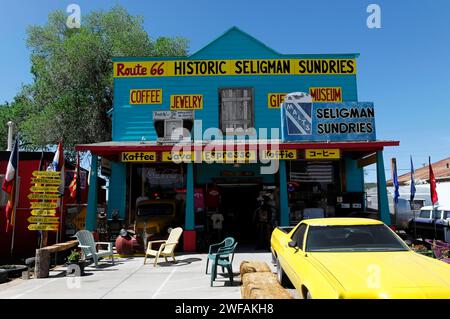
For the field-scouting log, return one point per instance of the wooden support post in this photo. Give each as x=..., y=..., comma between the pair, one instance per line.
x=42, y=264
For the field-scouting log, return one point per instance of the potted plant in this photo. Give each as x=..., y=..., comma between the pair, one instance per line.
x=75, y=259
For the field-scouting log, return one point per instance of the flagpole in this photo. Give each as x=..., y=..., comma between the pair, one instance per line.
x=16, y=193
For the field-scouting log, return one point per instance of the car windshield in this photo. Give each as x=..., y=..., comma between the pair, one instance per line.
x=155, y=210
x=353, y=238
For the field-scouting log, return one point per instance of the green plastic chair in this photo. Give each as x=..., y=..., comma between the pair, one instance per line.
x=221, y=259
x=217, y=248
x=89, y=247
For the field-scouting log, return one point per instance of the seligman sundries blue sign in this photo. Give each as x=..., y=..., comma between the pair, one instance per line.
x=348, y=121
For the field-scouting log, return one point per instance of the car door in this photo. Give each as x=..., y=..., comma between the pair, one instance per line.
x=295, y=257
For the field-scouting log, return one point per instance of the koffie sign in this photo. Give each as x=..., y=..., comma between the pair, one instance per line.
x=349, y=121
x=235, y=67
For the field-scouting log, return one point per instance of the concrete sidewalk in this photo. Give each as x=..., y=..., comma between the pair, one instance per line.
x=130, y=278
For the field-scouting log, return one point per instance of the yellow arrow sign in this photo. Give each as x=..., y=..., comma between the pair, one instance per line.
x=43, y=227
x=48, y=220
x=46, y=174
x=43, y=212
x=42, y=189
x=43, y=196
x=44, y=205
x=47, y=181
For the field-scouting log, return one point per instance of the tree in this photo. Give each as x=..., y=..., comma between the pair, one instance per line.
x=72, y=72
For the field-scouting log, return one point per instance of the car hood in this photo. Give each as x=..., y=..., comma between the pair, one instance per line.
x=388, y=274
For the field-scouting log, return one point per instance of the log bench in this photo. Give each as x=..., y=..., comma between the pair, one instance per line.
x=258, y=282
x=42, y=263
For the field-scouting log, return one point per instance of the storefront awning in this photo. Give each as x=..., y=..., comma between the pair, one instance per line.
x=114, y=148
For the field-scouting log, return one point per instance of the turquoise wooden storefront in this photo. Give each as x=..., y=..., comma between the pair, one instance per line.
x=134, y=123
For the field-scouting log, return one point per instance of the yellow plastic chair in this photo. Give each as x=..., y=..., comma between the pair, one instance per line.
x=167, y=248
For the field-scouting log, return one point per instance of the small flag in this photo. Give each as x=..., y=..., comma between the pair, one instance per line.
x=73, y=187
x=9, y=185
x=433, y=193
x=395, y=181
x=413, y=186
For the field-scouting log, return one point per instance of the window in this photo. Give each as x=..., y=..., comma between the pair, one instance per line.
x=236, y=108
x=437, y=214
x=446, y=214
x=424, y=214
x=299, y=235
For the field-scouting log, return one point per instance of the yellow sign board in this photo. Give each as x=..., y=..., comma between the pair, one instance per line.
x=43, y=196
x=178, y=156
x=279, y=154
x=235, y=67
x=47, y=174
x=318, y=95
x=328, y=153
x=229, y=156
x=47, y=205
x=326, y=94
x=138, y=156
x=47, y=181
x=145, y=96
x=44, y=189
x=186, y=102
x=274, y=100
x=46, y=227
x=44, y=220
x=43, y=212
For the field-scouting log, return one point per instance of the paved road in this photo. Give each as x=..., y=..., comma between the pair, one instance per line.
x=129, y=278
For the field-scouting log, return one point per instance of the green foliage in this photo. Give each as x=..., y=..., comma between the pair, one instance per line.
x=74, y=257
x=73, y=77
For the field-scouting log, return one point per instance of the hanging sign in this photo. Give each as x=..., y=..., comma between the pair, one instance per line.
x=328, y=153
x=44, y=189
x=47, y=181
x=279, y=154
x=45, y=227
x=42, y=196
x=43, y=212
x=44, y=220
x=49, y=205
x=55, y=174
x=302, y=120
x=177, y=156
x=138, y=156
x=229, y=156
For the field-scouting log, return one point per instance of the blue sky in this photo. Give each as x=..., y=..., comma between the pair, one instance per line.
x=404, y=67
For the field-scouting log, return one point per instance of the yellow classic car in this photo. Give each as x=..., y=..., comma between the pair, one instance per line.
x=354, y=258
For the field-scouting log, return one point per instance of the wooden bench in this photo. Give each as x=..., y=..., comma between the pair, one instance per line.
x=258, y=282
x=42, y=264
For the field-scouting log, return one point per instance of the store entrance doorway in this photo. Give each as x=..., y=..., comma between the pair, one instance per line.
x=238, y=205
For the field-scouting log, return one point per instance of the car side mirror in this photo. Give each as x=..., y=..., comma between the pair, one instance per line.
x=292, y=244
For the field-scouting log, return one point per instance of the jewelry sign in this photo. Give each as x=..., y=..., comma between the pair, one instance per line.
x=44, y=196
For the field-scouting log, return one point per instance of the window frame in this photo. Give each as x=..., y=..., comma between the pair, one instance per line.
x=294, y=235
x=251, y=105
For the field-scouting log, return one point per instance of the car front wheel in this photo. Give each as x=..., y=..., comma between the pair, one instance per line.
x=281, y=275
